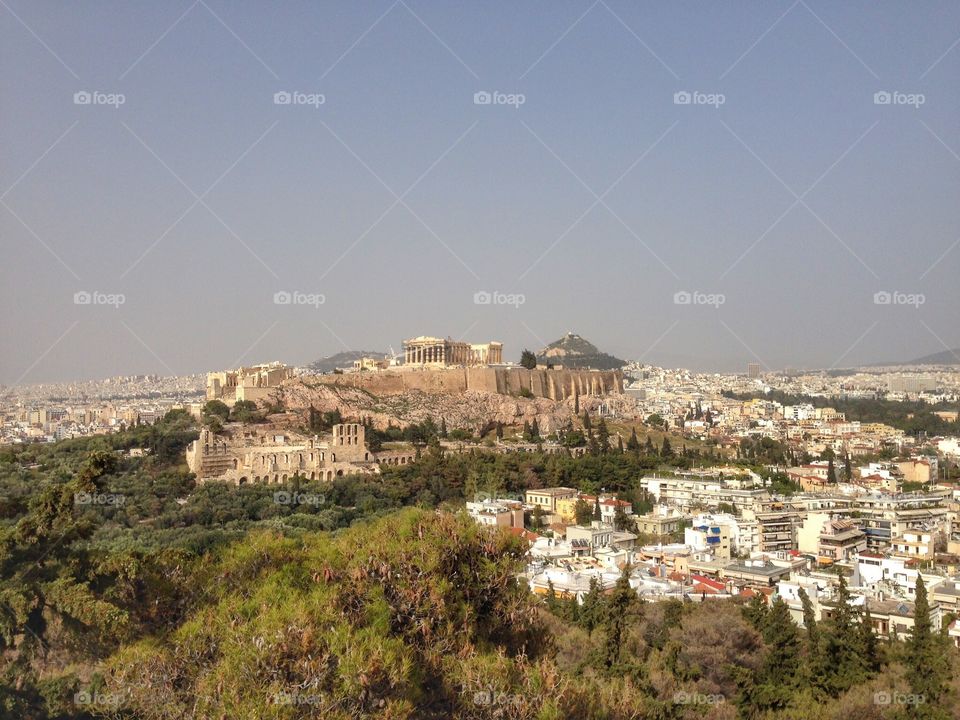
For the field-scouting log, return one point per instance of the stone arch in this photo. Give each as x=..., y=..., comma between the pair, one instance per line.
x=242, y=480
x=339, y=473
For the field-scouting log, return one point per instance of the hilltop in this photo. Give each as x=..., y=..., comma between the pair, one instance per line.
x=573, y=351
x=343, y=359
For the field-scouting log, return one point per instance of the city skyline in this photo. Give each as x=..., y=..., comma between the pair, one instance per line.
x=200, y=185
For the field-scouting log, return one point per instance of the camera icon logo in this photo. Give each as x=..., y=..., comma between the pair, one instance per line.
x=282, y=297
x=882, y=297
x=82, y=97
x=82, y=298
x=482, y=98
x=282, y=98
x=882, y=97
x=682, y=297
x=281, y=497
x=882, y=697
x=82, y=698
x=482, y=297
x=682, y=98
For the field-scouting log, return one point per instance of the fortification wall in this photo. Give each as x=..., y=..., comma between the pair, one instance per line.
x=552, y=384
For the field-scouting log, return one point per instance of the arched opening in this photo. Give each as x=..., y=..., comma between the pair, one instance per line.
x=339, y=473
x=242, y=481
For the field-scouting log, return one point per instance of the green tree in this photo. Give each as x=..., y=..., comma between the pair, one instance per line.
x=216, y=407
x=244, y=411
x=665, y=450
x=928, y=665
x=582, y=512
x=843, y=653
x=619, y=607
x=528, y=359
x=603, y=437
x=868, y=642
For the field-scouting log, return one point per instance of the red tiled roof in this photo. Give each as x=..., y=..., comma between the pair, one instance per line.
x=524, y=533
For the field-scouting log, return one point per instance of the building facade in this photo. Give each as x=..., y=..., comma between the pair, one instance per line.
x=434, y=351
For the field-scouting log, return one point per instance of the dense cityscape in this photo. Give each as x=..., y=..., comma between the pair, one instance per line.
x=411, y=360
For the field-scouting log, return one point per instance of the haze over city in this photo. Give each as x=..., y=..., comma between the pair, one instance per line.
x=780, y=163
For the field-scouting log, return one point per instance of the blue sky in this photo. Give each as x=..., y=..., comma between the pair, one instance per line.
x=782, y=198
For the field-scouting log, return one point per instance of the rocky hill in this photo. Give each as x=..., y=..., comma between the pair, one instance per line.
x=573, y=351
x=468, y=410
x=343, y=360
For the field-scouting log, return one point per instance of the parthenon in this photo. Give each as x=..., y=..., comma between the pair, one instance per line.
x=442, y=352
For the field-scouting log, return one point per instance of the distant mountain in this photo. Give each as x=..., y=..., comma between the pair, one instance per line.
x=946, y=357
x=574, y=352
x=343, y=360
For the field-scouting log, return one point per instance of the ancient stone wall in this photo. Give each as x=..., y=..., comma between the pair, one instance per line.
x=552, y=384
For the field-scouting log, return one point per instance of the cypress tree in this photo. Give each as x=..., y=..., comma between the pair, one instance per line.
x=868, y=642
x=778, y=676
x=928, y=665
x=621, y=601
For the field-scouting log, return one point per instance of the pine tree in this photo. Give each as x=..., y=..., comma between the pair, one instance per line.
x=443, y=427
x=535, y=429
x=619, y=445
x=633, y=444
x=596, y=509
x=586, y=421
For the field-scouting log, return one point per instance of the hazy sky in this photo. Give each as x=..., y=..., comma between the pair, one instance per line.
x=782, y=197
